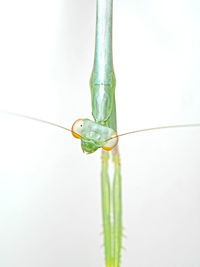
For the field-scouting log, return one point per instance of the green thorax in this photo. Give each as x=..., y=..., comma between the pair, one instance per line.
x=102, y=81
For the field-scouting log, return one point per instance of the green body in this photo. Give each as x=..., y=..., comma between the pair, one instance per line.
x=93, y=134
x=102, y=84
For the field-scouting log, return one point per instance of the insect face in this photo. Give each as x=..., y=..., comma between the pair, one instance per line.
x=94, y=135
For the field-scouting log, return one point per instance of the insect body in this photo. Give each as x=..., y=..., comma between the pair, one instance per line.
x=102, y=132
x=102, y=84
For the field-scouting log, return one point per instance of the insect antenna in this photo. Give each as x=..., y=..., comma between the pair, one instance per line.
x=34, y=119
x=155, y=128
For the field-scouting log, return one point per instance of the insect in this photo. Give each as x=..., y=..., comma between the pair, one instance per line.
x=69, y=154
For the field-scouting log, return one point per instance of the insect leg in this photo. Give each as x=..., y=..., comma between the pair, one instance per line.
x=106, y=208
x=117, y=209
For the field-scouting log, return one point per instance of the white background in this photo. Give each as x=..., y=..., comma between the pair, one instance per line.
x=50, y=206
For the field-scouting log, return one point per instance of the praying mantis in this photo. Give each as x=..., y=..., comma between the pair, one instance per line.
x=85, y=187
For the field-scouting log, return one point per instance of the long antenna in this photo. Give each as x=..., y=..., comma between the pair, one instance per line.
x=156, y=128
x=34, y=119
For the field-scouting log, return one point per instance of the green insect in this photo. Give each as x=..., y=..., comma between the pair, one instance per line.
x=102, y=132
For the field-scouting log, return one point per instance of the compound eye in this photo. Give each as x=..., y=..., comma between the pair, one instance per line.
x=110, y=144
x=77, y=128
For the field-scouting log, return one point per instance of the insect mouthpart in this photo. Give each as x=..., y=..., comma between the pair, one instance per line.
x=89, y=145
